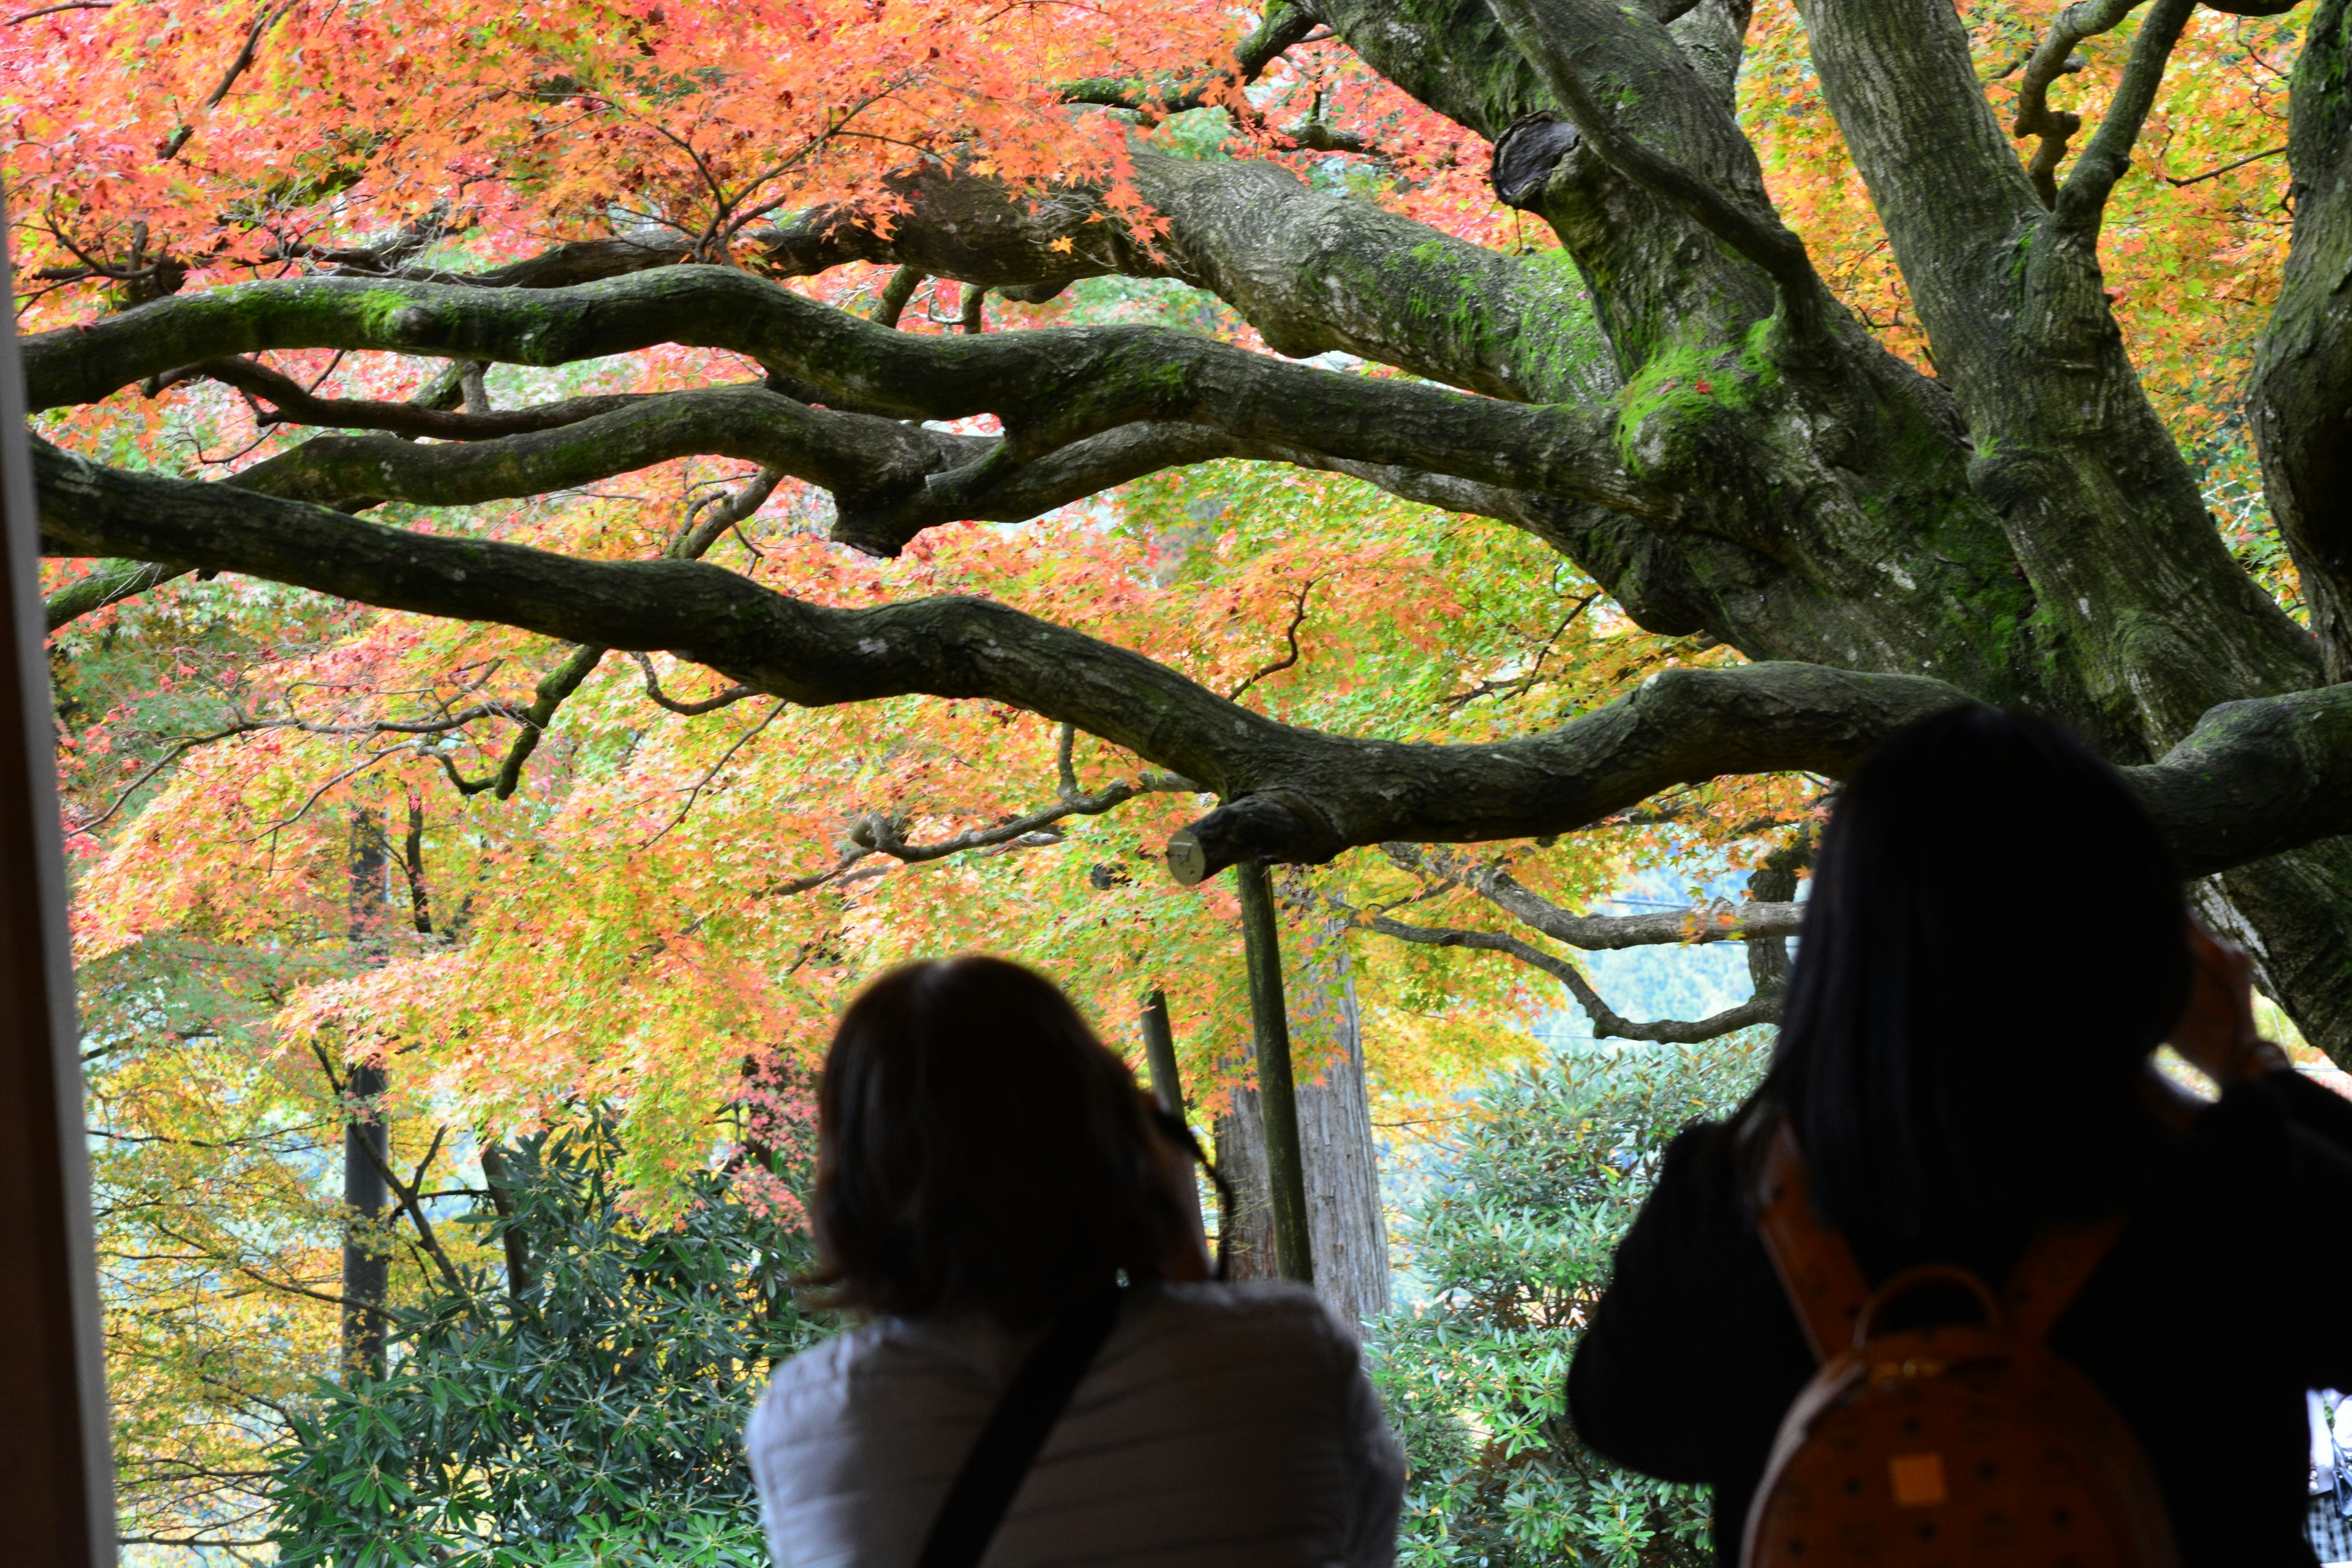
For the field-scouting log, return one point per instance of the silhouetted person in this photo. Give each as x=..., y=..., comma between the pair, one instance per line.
x=1996, y=943
x=986, y=1171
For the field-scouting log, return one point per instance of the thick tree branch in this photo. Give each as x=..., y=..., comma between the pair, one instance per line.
x=108, y=583
x=2079, y=206
x=1312, y=272
x=1452, y=55
x=1942, y=175
x=2053, y=57
x=499, y=1178
x=1607, y=1022
x=877, y=469
x=1579, y=44
x=294, y=403
x=2301, y=401
x=1700, y=924
x=1051, y=388
x=2256, y=777
x=558, y=267
x=892, y=302
x=865, y=460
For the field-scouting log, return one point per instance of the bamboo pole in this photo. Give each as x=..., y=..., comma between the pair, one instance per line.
x=1277, y=1095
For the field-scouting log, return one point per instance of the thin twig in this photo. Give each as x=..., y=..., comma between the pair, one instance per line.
x=268, y=19
x=707, y=705
x=703, y=783
x=2226, y=168
x=331, y=1298
x=406, y=1194
x=877, y=833
x=1521, y=684
x=177, y=751
x=1297, y=620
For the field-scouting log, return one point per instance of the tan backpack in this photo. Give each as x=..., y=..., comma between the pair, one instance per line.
x=1947, y=1446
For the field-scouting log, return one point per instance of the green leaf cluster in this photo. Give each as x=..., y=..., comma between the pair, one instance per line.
x=592, y=1419
x=1526, y=1196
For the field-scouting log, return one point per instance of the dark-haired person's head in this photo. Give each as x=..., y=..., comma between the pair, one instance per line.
x=1995, y=944
x=977, y=1147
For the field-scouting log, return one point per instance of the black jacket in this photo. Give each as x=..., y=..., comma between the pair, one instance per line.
x=2228, y=1294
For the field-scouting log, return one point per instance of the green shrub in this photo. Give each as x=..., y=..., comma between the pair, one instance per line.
x=596, y=1422
x=1510, y=1244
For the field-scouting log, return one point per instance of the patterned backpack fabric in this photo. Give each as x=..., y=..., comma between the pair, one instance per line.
x=1950, y=1444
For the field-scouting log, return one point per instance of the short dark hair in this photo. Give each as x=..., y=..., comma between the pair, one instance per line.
x=1995, y=943
x=978, y=1146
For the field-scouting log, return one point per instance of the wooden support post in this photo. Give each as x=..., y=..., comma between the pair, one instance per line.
x=367, y=1261
x=1159, y=1055
x=1277, y=1095
x=367, y=1135
x=56, y=1467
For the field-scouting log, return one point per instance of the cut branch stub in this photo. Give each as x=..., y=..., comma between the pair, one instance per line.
x=1527, y=153
x=1276, y=825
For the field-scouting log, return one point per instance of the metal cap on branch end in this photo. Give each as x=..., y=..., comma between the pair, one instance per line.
x=1276, y=825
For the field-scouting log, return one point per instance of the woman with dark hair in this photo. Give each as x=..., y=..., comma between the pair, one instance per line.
x=987, y=1177
x=1995, y=945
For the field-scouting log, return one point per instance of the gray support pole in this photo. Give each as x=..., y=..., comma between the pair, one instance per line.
x=1278, y=1096
x=1159, y=1055
x=56, y=1467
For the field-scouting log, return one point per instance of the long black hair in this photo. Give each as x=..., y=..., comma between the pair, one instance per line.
x=1995, y=943
x=977, y=1146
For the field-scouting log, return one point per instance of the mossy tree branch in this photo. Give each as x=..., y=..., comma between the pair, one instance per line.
x=2257, y=777
x=1050, y=388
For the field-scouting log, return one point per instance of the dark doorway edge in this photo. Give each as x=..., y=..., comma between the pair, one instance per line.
x=57, y=1471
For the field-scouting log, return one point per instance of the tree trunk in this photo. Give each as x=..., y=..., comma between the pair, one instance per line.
x=1344, y=1212
x=1346, y=1221
x=1245, y=1231
x=499, y=1178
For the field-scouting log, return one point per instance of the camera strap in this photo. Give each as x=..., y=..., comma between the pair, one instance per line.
x=1016, y=1432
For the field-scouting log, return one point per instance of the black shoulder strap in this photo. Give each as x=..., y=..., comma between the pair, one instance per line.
x=1016, y=1432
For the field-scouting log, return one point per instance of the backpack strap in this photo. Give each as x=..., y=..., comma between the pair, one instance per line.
x=1817, y=1269
x=2058, y=1262
x=1016, y=1432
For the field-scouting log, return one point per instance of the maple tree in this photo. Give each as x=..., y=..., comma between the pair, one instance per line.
x=1688, y=410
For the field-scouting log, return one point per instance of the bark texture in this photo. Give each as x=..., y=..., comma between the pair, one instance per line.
x=1347, y=1226
x=2302, y=402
